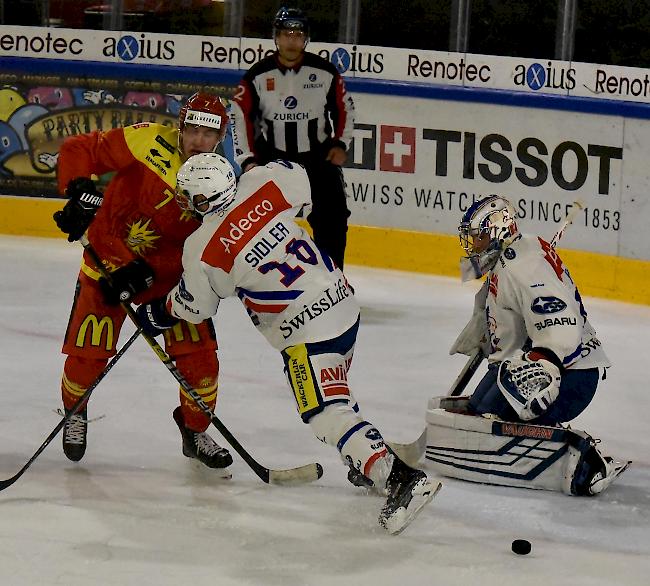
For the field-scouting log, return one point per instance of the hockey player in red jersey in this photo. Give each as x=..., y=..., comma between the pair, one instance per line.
x=250, y=246
x=138, y=230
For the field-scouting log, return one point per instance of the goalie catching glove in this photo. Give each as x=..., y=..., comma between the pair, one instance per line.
x=530, y=382
x=80, y=209
x=126, y=282
x=154, y=318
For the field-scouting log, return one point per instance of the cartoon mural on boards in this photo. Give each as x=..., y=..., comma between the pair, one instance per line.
x=34, y=121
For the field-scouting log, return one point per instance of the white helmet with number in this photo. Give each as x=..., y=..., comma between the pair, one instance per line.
x=206, y=184
x=488, y=227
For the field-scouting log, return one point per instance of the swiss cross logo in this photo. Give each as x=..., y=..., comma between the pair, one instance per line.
x=397, y=149
x=270, y=84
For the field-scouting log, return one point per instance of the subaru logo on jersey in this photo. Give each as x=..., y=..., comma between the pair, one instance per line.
x=290, y=102
x=341, y=59
x=397, y=149
x=536, y=76
x=185, y=294
x=373, y=434
x=509, y=253
x=543, y=305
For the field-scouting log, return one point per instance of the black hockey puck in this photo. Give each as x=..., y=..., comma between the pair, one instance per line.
x=521, y=546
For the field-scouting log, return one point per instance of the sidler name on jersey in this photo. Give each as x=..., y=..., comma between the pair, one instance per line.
x=242, y=224
x=264, y=245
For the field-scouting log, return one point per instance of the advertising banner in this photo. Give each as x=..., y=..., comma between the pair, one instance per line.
x=418, y=164
x=542, y=76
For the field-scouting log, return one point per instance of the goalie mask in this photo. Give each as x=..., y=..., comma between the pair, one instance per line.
x=206, y=184
x=206, y=110
x=488, y=227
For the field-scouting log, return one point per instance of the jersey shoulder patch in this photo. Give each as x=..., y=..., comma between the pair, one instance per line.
x=153, y=145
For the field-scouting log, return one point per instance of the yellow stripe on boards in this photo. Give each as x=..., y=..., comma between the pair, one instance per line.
x=597, y=275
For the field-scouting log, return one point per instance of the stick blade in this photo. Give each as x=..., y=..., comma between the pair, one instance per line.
x=295, y=476
x=9, y=481
x=410, y=453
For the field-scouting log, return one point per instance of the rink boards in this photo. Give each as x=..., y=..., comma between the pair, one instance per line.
x=427, y=141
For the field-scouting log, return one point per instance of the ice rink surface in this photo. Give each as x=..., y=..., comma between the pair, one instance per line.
x=134, y=511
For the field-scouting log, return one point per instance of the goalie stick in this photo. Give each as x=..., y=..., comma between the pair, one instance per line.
x=76, y=408
x=299, y=475
x=412, y=452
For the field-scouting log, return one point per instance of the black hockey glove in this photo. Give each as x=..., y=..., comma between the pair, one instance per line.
x=80, y=209
x=127, y=282
x=154, y=318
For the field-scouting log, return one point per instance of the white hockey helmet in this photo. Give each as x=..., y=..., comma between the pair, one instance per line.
x=205, y=184
x=488, y=227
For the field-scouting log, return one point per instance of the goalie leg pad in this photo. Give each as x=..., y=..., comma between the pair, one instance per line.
x=491, y=451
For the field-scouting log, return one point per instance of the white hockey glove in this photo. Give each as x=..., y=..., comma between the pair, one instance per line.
x=475, y=334
x=529, y=383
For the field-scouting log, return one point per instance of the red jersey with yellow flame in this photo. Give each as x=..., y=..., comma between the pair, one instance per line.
x=139, y=216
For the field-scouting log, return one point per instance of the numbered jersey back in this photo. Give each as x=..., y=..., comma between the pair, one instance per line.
x=292, y=291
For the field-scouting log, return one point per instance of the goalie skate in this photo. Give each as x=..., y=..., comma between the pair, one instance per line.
x=611, y=471
x=200, y=446
x=409, y=490
x=75, y=432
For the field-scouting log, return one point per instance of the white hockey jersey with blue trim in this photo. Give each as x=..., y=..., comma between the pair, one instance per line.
x=292, y=291
x=531, y=297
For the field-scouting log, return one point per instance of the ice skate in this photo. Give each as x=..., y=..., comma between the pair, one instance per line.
x=200, y=446
x=74, y=435
x=409, y=489
x=604, y=477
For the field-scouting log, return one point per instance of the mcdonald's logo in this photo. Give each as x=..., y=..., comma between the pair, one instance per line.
x=96, y=331
x=178, y=331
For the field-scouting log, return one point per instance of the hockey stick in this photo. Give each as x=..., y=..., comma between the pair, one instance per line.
x=76, y=408
x=411, y=453
x=299, y=475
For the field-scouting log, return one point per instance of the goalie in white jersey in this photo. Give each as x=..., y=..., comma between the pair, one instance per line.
x=249, y=245
x=543, y=353
x=545, y=363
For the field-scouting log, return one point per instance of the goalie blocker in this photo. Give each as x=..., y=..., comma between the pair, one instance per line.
x=492, y=451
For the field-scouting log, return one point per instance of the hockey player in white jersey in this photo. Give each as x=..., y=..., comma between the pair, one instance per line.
x=249, y=245
x=544, y=366
x=537, y=323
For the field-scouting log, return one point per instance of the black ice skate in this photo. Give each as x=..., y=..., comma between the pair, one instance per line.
x=75, y=430
x=409, y=489
x=201, y=446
